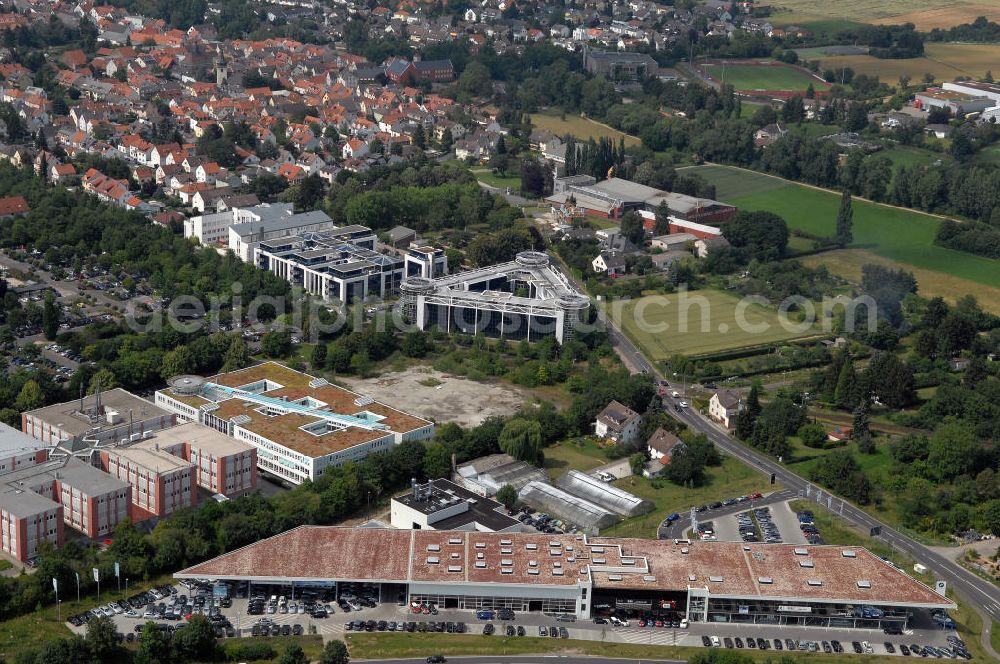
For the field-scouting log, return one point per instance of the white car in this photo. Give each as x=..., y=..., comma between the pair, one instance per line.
x=683, y=404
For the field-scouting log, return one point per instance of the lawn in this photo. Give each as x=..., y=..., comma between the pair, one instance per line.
x=405, y=646
x=847, y=263
x=577, y=454
x=944, y=60
x=762, y=77
x=908, y=155
x=487, y=176
x=312, y=646
x=905, y=236
x=925, y=14
x=699, y=323
x=580, y=127
x=729, y=480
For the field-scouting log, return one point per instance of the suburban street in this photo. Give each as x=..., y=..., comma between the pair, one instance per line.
x=980, y=592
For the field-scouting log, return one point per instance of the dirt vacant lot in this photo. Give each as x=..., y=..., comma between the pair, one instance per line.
x=441, y=397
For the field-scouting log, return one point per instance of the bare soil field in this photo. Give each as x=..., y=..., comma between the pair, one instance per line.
x=433, y=395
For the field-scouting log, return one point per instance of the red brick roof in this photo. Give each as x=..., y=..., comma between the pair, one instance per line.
x=13, y=205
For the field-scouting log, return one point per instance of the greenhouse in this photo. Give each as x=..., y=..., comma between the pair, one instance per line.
x=567, y=507
x=596, y=491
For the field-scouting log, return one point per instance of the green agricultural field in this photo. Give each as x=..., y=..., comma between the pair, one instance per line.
x=763, y=77
x=904, y=236
x=699, y=323
x=580, y=127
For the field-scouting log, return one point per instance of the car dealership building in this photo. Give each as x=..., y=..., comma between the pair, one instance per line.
x=831, y=586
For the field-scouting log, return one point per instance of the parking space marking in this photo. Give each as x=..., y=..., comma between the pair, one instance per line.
x=659, y=637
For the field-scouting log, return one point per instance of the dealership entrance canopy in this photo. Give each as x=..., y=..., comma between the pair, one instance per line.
x=705, y=581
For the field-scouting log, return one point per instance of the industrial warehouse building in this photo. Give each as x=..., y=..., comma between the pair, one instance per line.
x=443, y=505
x=613, y=197
x=299, y=425
x=832, y=586
x=525, y=299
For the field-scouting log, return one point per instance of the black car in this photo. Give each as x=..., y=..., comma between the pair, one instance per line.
x=510, y=630
x=436, y=659
x=600, y=621
x=488, y=629
x=762, y=644
x=728, y=642
x=459, y=628
x=857, y=647
x=554, y=632
x=738, y=641
x=520, y=630
x=904, y=650
x=286, y=630
x=837, y=647
x=275, y=630
x=889, y=648
x=297, y=630
x=778, y=645
x=827, y=647
x=790, y=644
x=751, y=643
x=705, y=641
x=563, y=633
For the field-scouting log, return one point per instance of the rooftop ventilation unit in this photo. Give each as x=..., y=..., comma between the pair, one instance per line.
x=849, y=553
x=531, y=547
x=765, y=579
x=685, y=551
x=533, y=572
x=557, y=572
x=806, y=563
x=597, y=549
x=454, y=568
x=506, y=570
x=532, y=563
x=480, y=565
x=506, y=562
x=480, y=545
x=801, y=552
x=507, y=551
x=454, y=540
x=505, y=542
x=715, y=579
x=614, y=577
x=864, y=584
x=433, y=560
x=814, y=582
x=433, y=547
x=692, y=577
x=317, y=383
x=649, y=578
x=600, y=561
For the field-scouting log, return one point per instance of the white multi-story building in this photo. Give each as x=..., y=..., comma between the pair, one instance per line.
x=300, y=425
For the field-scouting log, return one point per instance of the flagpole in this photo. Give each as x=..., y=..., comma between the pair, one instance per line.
x=77, y=587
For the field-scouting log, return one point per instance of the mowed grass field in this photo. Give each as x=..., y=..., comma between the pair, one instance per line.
x=903, y=236
x=762, y=77
x=944, y=60
x=924, y=14
x=699, y=323
x=580, y=127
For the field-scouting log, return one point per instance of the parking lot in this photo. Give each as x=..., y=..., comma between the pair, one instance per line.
x=772, y=524
x=282, y=610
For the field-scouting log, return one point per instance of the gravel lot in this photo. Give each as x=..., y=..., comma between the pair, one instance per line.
x=441, y=397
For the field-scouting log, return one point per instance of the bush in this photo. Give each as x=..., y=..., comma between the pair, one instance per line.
x=813, y=435
x=249, y=652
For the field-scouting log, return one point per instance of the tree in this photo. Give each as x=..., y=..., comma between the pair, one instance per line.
x=662, y=224
x=153, y=646
x=102, y=639
x=437, y=461
x=293, y=655
x=632, y=228
x=862, y=427
x=747, y=418
x=276, y=343
x=195, y=640
x=845, y=220
x=237, y=355
x=178, y=362
x=419, y=137
x=760, y=235
x=534, y=181
x=953, y=450
x=334, y=652
x=310, y=193
x=507, y=496
x=812, y=435
x=318, y=358
x=103, y=380
x=50, y=317
x=840, y=472
x=522, y=439
x=30, y=397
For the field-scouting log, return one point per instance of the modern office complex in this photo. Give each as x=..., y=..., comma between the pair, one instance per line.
x=775, y=584
x=527, y=298
x=299, y=424
x=224, y=466
x=213, y=229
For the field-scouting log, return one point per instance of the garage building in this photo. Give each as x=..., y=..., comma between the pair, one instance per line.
x=833, y=586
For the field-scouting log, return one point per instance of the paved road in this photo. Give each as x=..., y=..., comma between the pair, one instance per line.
x=521, y=659
x=978, y=591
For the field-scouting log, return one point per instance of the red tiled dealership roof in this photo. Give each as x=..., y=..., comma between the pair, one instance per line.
x=831, y=573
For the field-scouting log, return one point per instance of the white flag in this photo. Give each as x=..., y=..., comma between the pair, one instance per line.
x=97, y=575
x=117, y=570
x=55, y=584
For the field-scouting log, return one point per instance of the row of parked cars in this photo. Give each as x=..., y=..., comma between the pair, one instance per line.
x=729, y=502
x=955, y=649
x=542, y=522
x=405, y=626
x=130, y=606
x=768, y=530
x=808, y=527
x=259, y=605
x=265, y=627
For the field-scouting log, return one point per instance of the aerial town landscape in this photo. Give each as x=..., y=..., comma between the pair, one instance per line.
x=499, y=330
